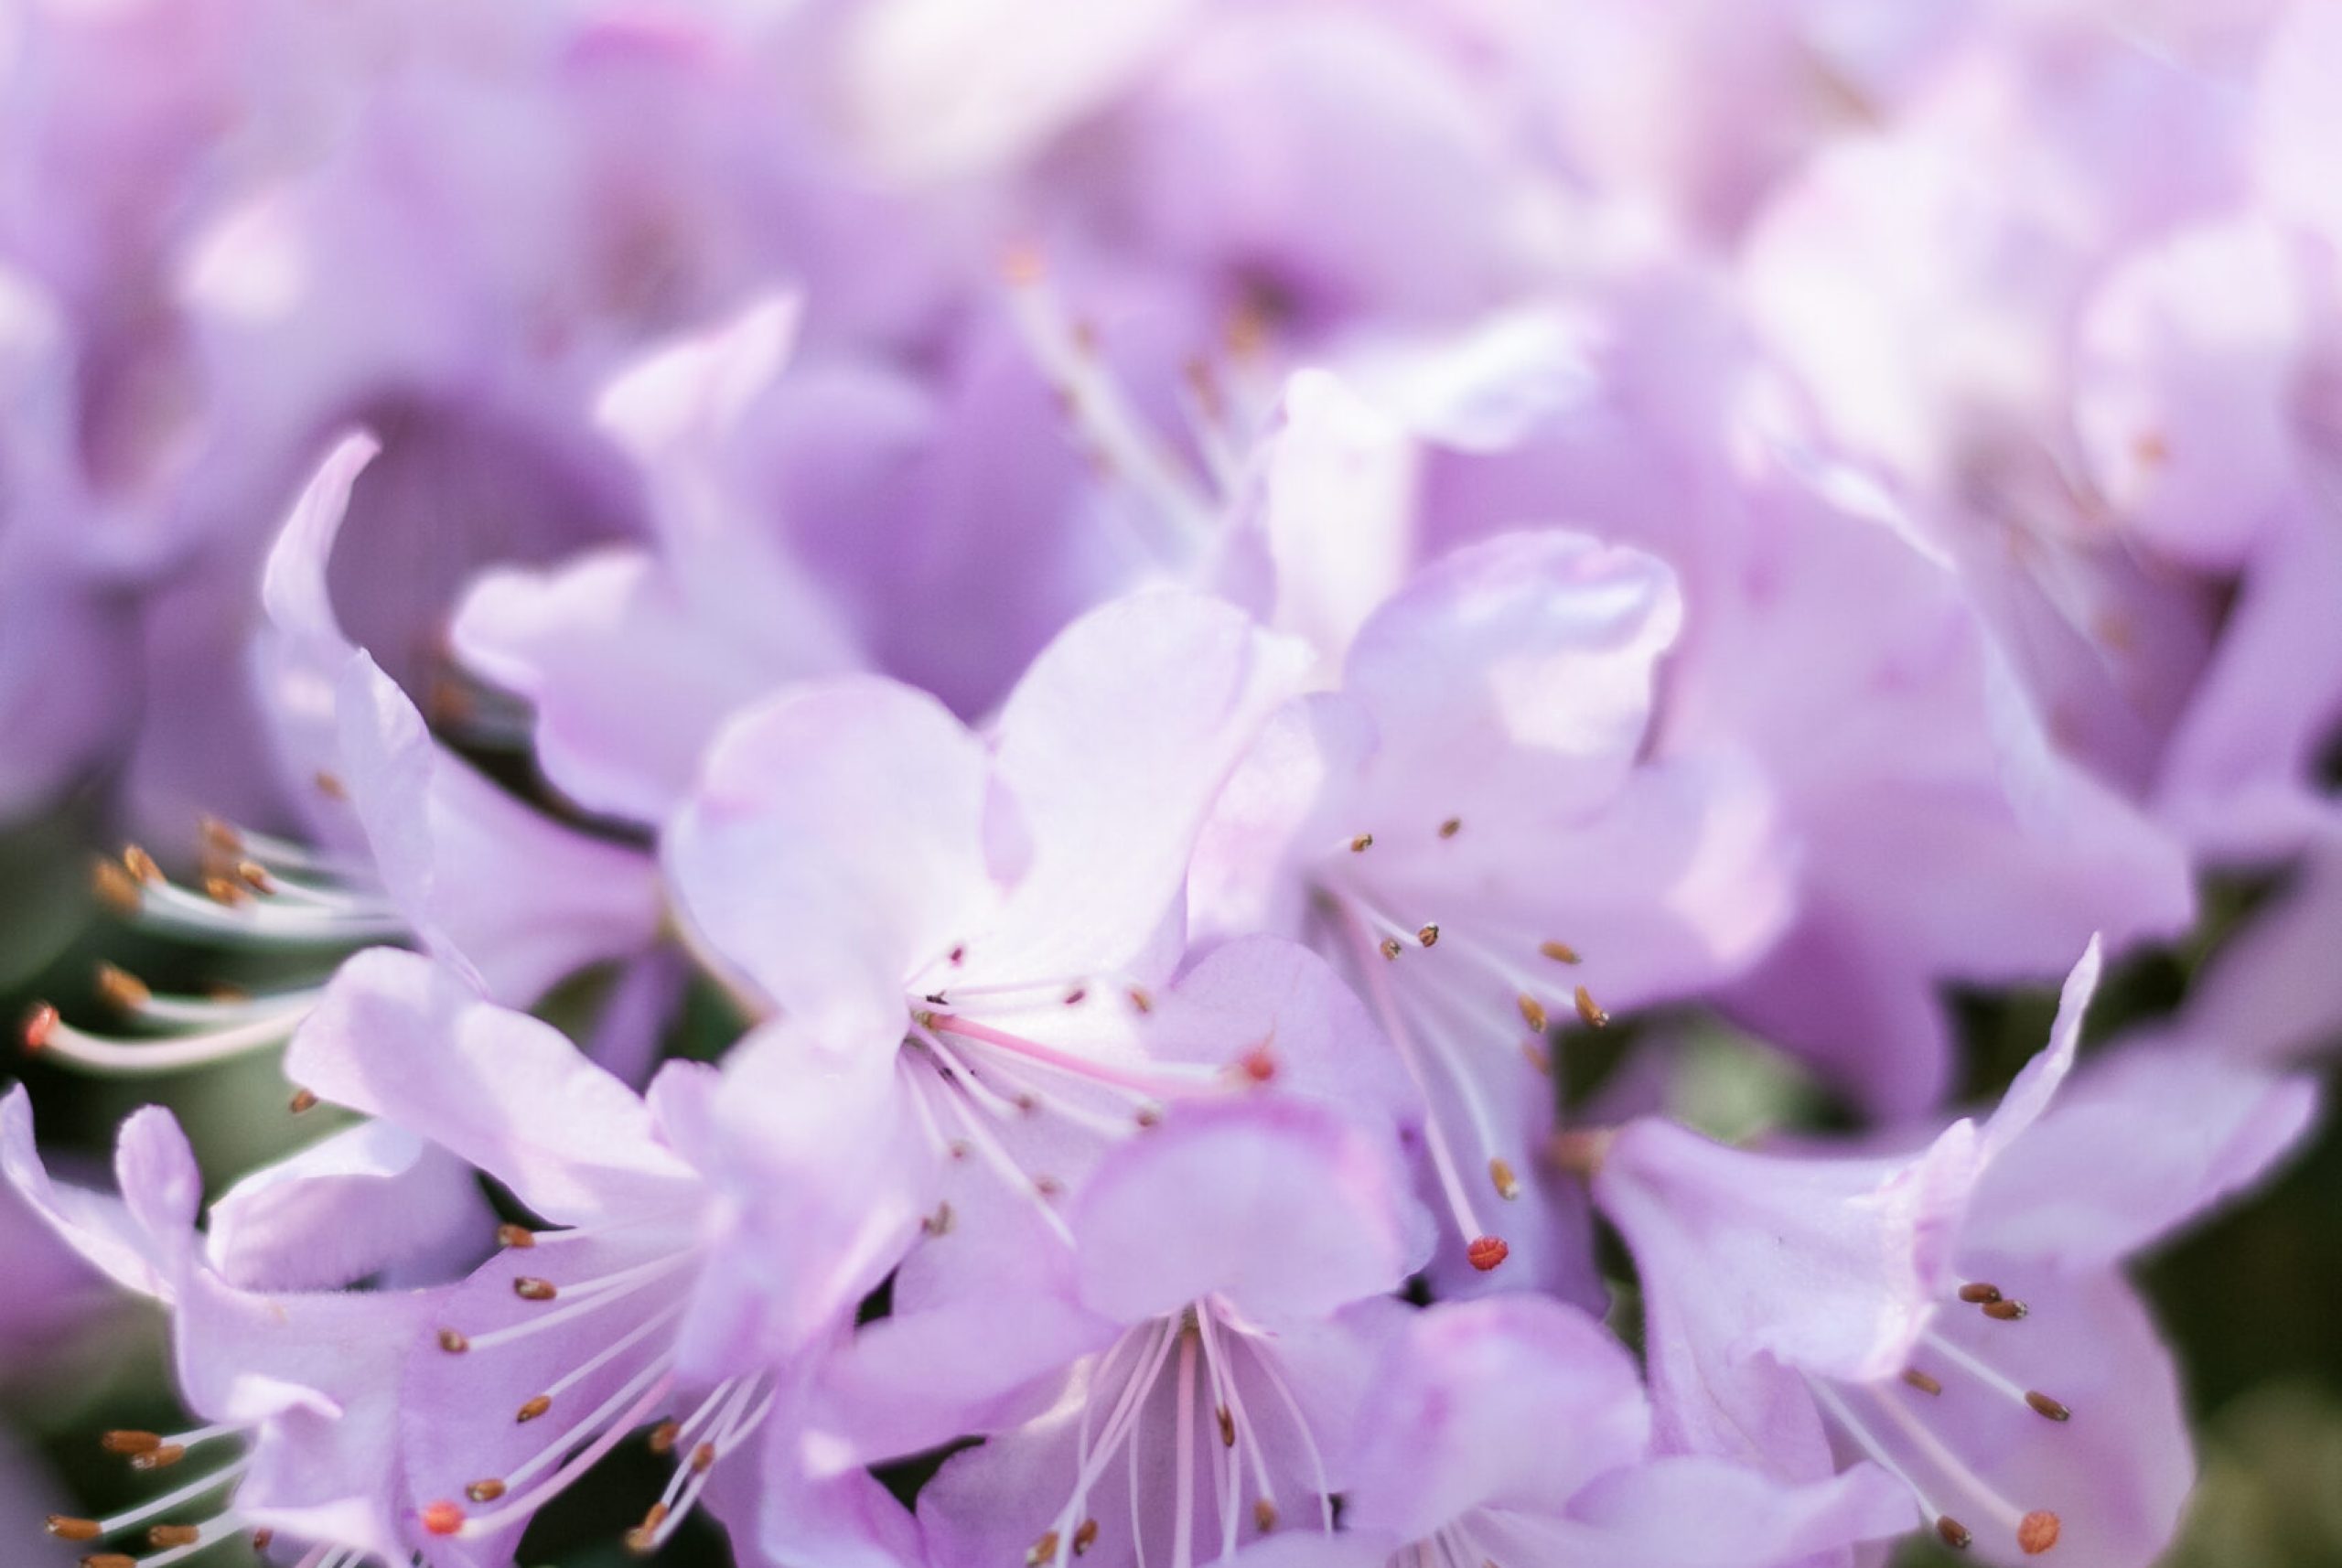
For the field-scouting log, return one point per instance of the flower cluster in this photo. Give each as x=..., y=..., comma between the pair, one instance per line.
x=1169, y=612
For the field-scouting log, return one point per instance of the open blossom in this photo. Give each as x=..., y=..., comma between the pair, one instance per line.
x=1958, y=1316
x=963, y=940
x=1046, y=780
x=1468, y=828
x=298, y=1388
x=569, y=1339
x=405, y=840
x=1241, y=1257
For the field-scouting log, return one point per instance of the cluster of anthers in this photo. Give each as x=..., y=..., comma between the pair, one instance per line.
x=169, y=1544
x=254, y=892
x=1431, y=1011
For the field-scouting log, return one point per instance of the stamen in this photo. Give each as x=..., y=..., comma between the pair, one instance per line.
x=1593, y=1016
x=1085, y=1536
x=1361, y=842
x=2040, y=1403
x=518, y=1236
x=533, y=1408
x=1183, y=1502
x=453, y=1342
x=1264, y=1514
x=1428, y=934
x=530, y=1288
x=303, y=1101
x=46, y=1031
x=161, y=1457
x=1450, y=827
x=1560, y=952
x=2004, y=1310
x=644, y=1539
x=173, y=1535
x=1921, y=1381
x=1579, y=1151
x=1390, y=948
x=663, y=1435
x=485, y=1491
x=116, y=889
x=128, y=1443
x=1953, y=1533
x=591, y=1295
x=635, y=1399
x=1500, y=1175
x=65, y=1527
x=1042, y=1552
x=121, y=989
x=1532, y=1012
x=1978, y=1294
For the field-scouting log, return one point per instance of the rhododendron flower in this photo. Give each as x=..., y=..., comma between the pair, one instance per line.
x=1957, y=1317
x=406, y=841
x=1468, y=828
x=301, y=1387
x=963, y=940
x=568, y=1339
x=1240, y=1256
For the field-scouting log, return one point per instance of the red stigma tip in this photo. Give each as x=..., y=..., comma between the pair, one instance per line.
x=2037, y=1532
x=40, y=1025
x=1487, y=1252
x=443, y=1518
x=1259, y=1065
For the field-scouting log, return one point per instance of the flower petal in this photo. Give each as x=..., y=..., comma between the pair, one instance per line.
x=836, y=844
x=399, y=1036
x=1115, y=792
x=1282, y=1207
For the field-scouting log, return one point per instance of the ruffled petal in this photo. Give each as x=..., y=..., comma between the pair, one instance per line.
x=398, y=1036
x=368, y=1199
x=491, y=885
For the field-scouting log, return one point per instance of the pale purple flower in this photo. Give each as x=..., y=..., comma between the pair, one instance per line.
x=404, y=840
x=1959, y=1317
x=299, y=1388
x=1938, y=830
x=1469, y=830
x=568, y=1339
x=1238, y=1259
x=951, y=929
x=1515, y=1430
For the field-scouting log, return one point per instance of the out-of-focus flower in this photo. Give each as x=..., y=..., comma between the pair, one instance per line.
x=303, y=1387
x=404, y=840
